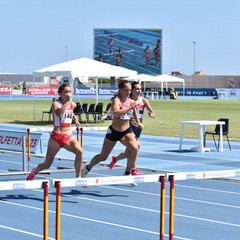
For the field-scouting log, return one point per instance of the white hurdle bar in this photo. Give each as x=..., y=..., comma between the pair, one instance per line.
x=113, y=180
x=21, y=185
x=43, y=129
x=97, y=181
x=205, y=174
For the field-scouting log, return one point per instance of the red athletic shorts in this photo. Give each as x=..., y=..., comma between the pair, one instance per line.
x=61, y=138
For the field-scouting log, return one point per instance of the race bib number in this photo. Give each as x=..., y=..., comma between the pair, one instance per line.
x=67, y=118
x=128, y=115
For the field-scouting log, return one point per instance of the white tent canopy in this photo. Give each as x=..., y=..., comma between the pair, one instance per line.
x=162, y=79
x=84, y=67
x=142, y=78
x=168, y=78
x=165, y=79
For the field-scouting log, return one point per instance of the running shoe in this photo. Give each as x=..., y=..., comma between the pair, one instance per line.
x=113, y=162
x=136, y=172
x=133, y=184
x=85, y=172
x=31, y=176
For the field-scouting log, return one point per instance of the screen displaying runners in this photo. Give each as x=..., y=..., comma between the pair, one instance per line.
x=135, y=49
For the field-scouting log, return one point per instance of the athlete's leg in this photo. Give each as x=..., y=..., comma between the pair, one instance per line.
x=130, y=142
x=106, y=150
x=52, y=150
x=74, y=146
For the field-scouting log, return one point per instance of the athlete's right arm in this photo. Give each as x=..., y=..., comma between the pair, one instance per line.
x=117, y=111
x=58, y=109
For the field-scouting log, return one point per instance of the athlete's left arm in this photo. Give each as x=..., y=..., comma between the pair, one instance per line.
x=76, y=121
x=151, y=113
x=136, y=119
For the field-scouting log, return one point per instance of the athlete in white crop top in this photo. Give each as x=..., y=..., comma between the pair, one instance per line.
x=62, y=137
x=123, y=108
x=125, y=105
x=143, y=103
x=66, y=118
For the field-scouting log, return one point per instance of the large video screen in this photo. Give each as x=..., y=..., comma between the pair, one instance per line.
x=135, y=49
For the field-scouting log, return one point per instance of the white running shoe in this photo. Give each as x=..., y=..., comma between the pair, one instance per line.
x=84, y=172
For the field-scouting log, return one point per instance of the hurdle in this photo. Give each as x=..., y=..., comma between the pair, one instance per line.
x=162, y=178
x=162, y=206
x=171, y=208
x=26, y=148
x=98, y=181
x=80, y=182
x=20, y=141
x=45, y=210
x=204, y=174
x=80, y=137
x=57, y=185
x=172, y=177
x=73, y=182
x=37, y=184
x=114, y=180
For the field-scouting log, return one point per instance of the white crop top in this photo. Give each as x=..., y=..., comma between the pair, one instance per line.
x=66, y=119
x=128, y=115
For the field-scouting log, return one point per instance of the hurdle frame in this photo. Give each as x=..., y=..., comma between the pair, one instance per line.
x=98, y=181
x=37, y=184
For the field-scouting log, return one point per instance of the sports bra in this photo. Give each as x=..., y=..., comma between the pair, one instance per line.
x=66, y=119
x=128, y=115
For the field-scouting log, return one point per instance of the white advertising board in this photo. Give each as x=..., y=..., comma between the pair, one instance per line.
x=13, y=140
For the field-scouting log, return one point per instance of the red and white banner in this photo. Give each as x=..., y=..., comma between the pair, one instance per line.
x=41, y=90
x=13, y=140
x=5, y=90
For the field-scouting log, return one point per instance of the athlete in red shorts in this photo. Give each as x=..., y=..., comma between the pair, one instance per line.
x=62, y=137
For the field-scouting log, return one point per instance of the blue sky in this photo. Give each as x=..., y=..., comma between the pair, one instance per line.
x=34, y=33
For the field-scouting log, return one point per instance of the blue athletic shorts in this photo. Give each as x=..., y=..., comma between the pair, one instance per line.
x=136, y=130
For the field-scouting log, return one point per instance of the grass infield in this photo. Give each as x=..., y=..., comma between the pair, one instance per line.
x=169, y=114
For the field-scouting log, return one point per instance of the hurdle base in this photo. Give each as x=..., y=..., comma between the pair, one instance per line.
x=61, y=167
x=197, y=149
x=14, y=170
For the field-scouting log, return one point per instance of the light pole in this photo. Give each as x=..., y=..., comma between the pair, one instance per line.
x=194, y=57
x=66, y=47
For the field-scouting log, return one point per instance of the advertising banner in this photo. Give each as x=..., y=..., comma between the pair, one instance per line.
x=91, y=91
x=5, y=90
x=42, y=90
x=13, y=140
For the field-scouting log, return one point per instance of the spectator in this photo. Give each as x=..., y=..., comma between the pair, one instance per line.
x=24, y=88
